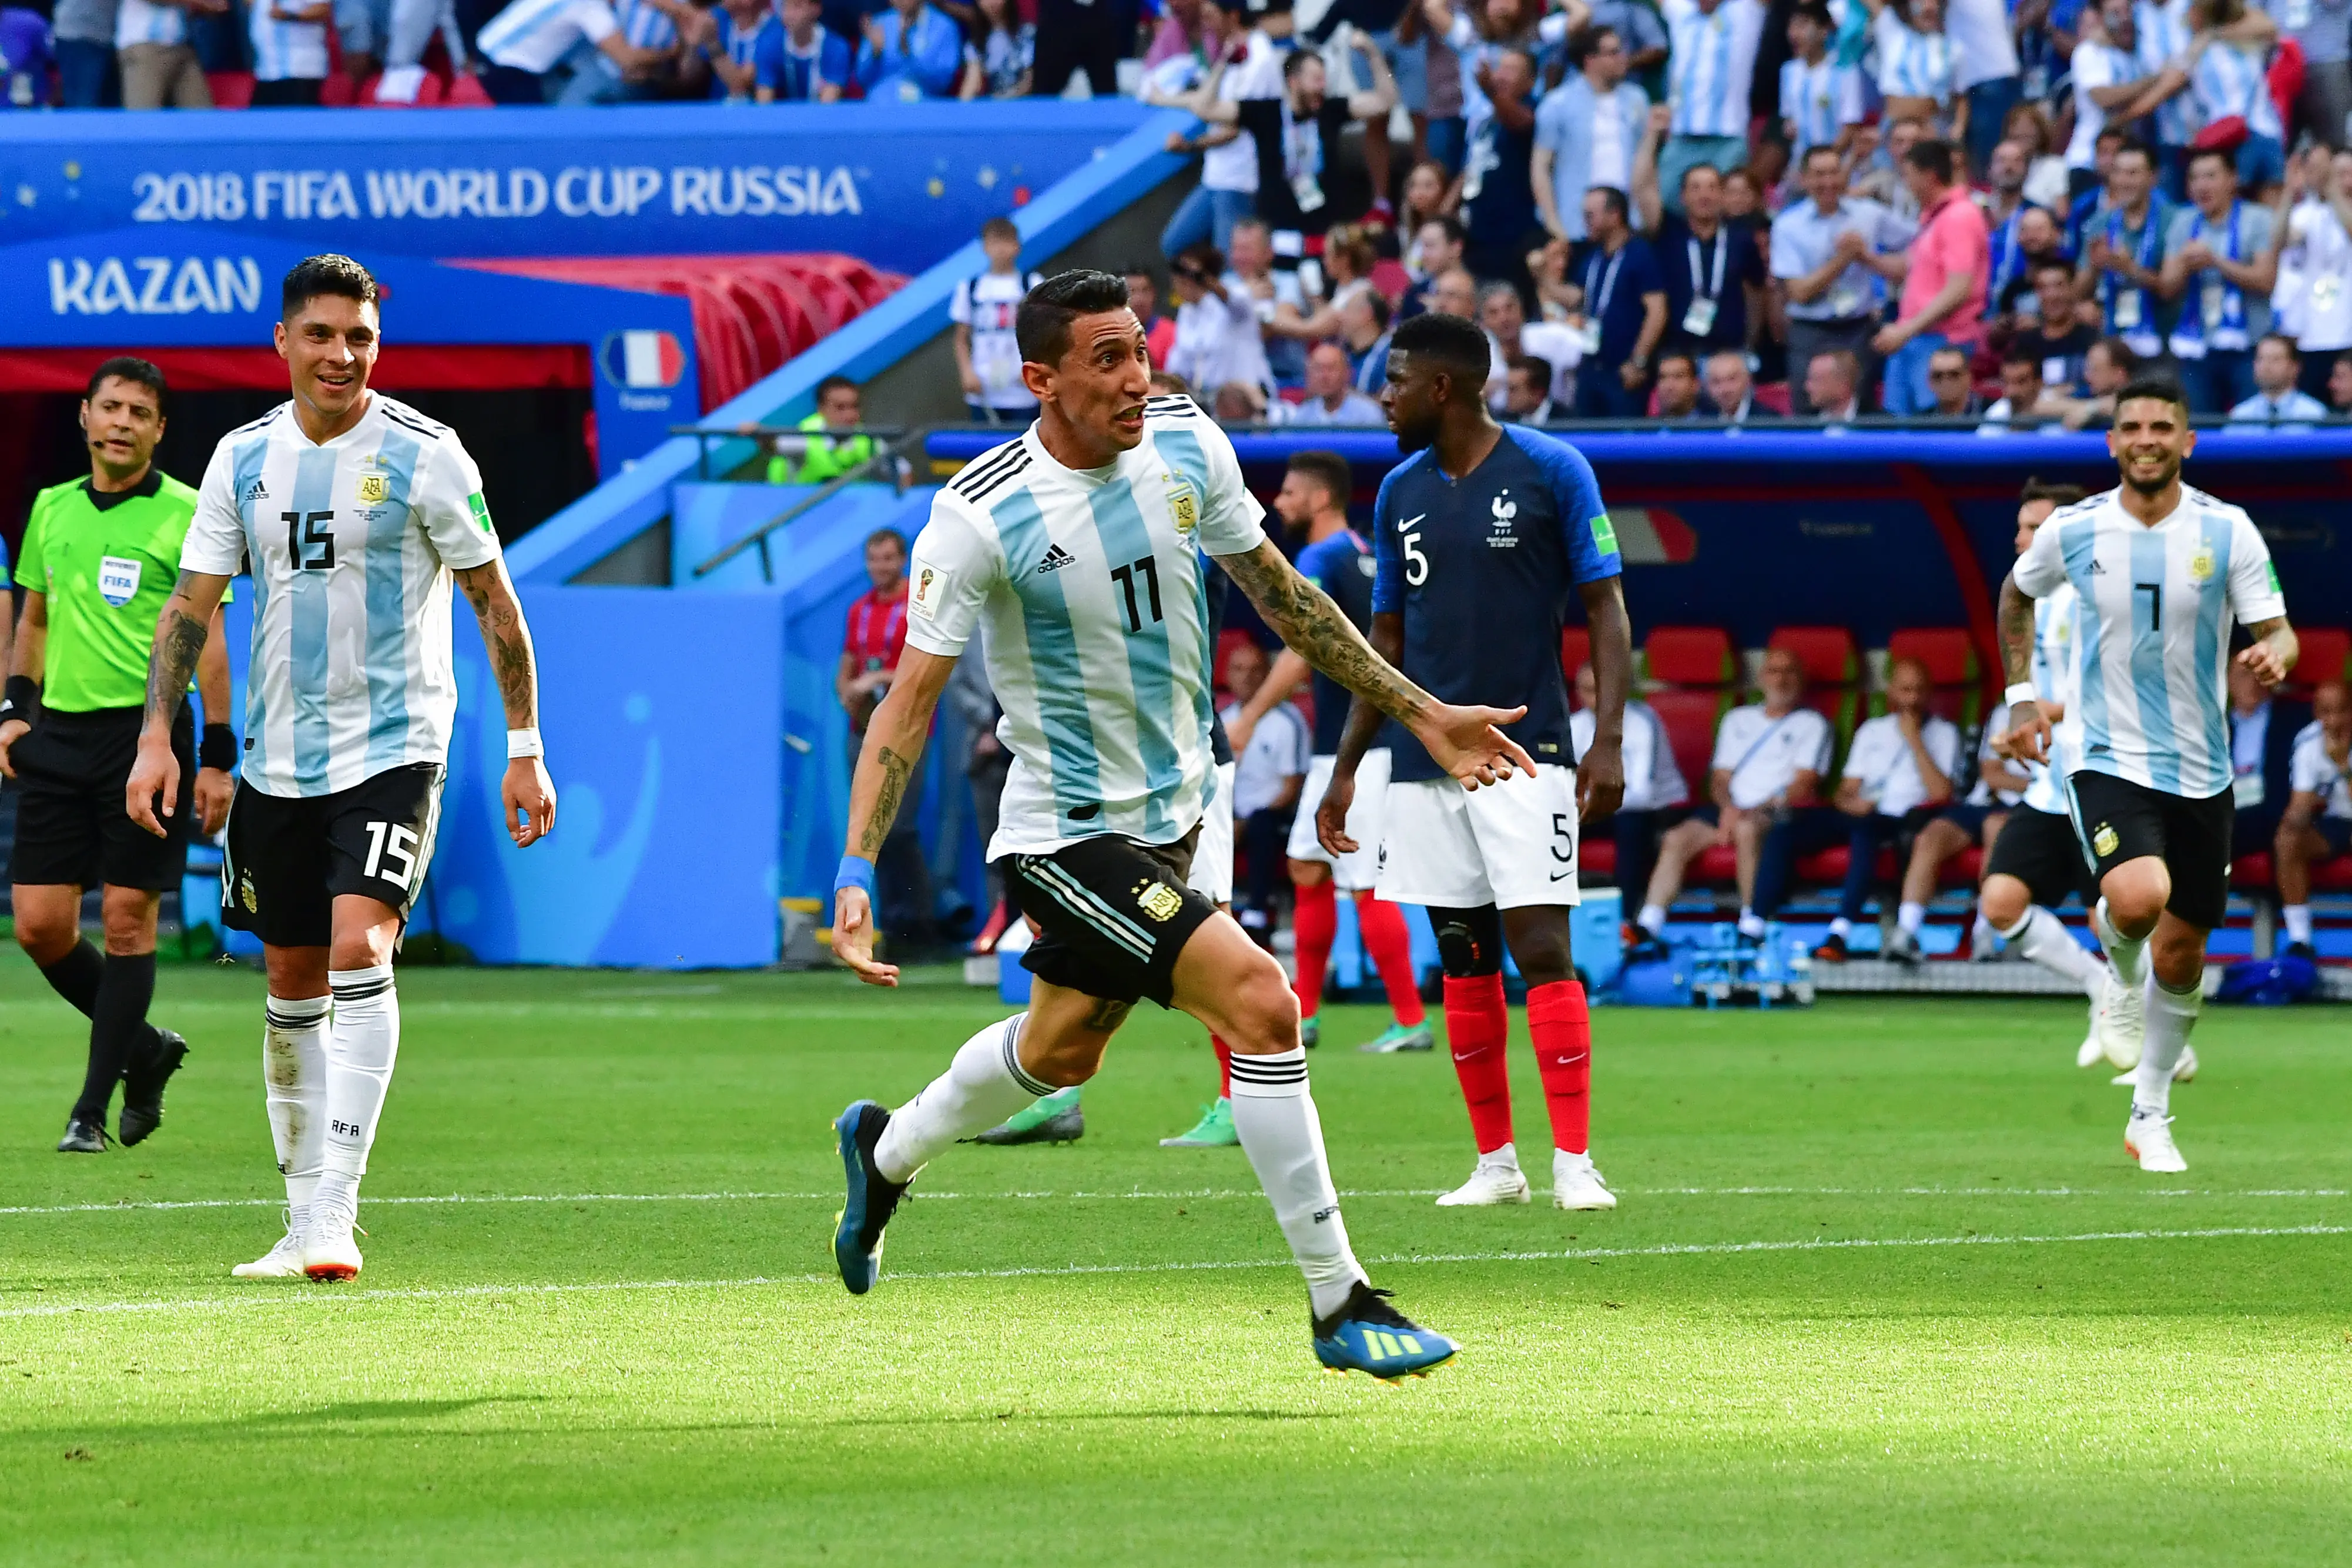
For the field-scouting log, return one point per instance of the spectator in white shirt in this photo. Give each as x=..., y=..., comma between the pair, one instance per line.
x=2278, y=405
x=1655, y=790
x=1770, y=758
x=1229, y=165
x=545, y=51
x=2023, y=393
x=1985, y=69
x=1898, y=775
x=982, y=311
x=2313, y=299
x=289, y=51
x=1267, y=777
x=1710, y=76
x=1821, y=100
x=1216, y=328
x=1512, y=336
x=2317, y=824
x=159, y=67
x=1586, y=130
x=1829, y=254
x=1331, y=398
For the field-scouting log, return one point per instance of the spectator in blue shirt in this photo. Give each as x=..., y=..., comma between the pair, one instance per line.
x=24, y=55
x=911, y=52
x=800, y=61
x=1625, y=311
x=730, y=43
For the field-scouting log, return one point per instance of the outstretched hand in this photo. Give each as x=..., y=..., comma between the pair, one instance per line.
x=1331, y=816
x=1469, y=743
x=2264, y=662
x=1600, y=781
x=2027, y=740
x=154, y=781
x=853, y=938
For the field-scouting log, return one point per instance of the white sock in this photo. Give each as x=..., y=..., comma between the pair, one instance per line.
x=2298, y=922
x=1840, y=927
x=1508, y=1154
x=294, y=1080
x=363, y=1043
x=1981, y=934
x=2170, y=1015
x=1275, y=1116
x=2044, y=938
x=2128, y=954
x=1653, y=919
x=1911, y=917
x=982, y=1087
x=1750, y=923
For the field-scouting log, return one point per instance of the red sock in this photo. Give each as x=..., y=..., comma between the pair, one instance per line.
x=1314, y=926
x=1391, y=950
x=1225, y=1068
x=1563, y=1033
x=1478, y=1028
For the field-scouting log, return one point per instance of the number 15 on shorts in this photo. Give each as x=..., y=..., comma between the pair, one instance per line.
x=392, y=852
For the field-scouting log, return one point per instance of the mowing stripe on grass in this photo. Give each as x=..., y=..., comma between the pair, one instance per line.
x=1190, y=1193
x=290, y=1295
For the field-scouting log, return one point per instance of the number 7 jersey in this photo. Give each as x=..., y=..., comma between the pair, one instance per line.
x=1086, y=585
x=351, y=544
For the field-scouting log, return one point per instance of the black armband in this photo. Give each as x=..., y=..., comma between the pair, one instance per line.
x=24, y=696
x=217, y=749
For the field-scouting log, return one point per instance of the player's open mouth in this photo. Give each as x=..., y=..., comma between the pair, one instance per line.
x=1129, y=418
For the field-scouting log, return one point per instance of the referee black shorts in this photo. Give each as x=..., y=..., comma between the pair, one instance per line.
x=2117, y=820
x=288, y=858
x=71, y=829
x=2040, y=850
x=1114, y=913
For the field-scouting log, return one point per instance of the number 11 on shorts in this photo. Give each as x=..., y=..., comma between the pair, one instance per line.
x=389, y=843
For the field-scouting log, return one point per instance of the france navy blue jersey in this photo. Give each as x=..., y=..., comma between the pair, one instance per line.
x=1342, y=567
x=1481, y=569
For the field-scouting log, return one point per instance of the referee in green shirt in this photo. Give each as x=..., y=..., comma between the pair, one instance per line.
x=98, y=560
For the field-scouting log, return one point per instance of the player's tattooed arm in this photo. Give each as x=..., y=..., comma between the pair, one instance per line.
x=877, y=787
x=2028, y=726
x=2275, y=650
x=1306, y=619
x=180, y=633
x=896, y=770
x=507, y=635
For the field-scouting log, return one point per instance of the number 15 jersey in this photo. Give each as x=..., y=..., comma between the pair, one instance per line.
x=1482, y=568
x=1088, y=586
x=351, y=544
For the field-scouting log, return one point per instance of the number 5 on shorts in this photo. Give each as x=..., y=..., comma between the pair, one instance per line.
x=389, y=843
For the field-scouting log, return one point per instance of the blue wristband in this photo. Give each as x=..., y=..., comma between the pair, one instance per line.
x=855, y=872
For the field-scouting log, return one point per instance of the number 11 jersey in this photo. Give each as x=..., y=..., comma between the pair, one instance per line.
x=1087, y=587
x=351, y=544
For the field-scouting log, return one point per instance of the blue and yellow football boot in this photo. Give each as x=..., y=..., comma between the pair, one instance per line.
x=1368, y=1335
x=858, y=1235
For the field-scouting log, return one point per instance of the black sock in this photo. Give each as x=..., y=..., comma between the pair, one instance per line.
x=75, y=976
x=118, y=1029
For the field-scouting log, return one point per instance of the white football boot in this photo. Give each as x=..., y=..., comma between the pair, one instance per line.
x=2148, y=1140
x=329, y=1250
x=2182, y=1070
x=1493, y=1183
x=2094, y=1048
x=1575, y=1184
x=2123, y=1024
x=283, y=1261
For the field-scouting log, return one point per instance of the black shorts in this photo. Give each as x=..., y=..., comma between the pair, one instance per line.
x=2117, y=820
x=2336, y=832
x=71, y=829
x=2040, y=850
x=289, y=858
x=1114, y=915
x=1969, y=819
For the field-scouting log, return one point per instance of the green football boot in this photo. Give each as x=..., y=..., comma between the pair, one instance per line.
x=1055, y=1118
x=1311, y=1031
x=1213, y=1131
x=1399, y=1037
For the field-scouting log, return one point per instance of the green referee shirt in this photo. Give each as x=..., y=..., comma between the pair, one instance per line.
x=107, y=561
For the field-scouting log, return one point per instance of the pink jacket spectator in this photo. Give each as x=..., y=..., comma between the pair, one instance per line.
x=1951, y=238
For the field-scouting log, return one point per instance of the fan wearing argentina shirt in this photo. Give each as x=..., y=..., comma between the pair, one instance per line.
x=1077, y=548
x=1481, y=537
x=351, y=511
x=2163, y=572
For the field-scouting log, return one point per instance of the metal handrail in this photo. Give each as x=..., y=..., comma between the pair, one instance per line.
x=886, y=455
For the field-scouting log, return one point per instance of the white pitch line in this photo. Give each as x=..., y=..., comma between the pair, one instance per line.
x=456, y=1199
x=287, y=1295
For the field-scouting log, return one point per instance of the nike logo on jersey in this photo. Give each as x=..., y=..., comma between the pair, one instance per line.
x=1412, y=521
x=1055, y=559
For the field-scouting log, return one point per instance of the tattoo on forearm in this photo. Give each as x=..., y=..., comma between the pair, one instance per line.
x=2016, y=632
x=896, y=770
x=1304, y=617
x=179, y=643
x=508, y=640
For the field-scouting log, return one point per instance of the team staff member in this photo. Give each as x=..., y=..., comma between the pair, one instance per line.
x=98, y=560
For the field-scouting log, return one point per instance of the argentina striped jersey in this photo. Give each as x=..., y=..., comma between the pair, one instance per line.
x=2152, y=637
x=2228, y=80
x=1912, y=63
x=1712, y=63
x=1819, y=101
x=2161, y=35
x=350, y=546
x=148, y=22
x=1087, y=585
x=284, y=49
x=2053, y=682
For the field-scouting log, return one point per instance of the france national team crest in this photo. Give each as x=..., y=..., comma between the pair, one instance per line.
x=1506, y=511
x=118, y=579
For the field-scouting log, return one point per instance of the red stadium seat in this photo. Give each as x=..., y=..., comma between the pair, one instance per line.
x=1717, y=864
x=1689, y=656
x=230, y=90
x=1774, y=397
x=1951, y=661
x=1689, y=718
x=1390, y=278
x=1965, y=869
x=2253, y=870
x=1596, y=854
x=2325, y=652
x=1575, y=647
x=1694, y=671
x=465, y=92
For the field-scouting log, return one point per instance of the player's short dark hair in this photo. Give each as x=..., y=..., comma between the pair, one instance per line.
x=1931, y=155
x=1687, y=359
x=1614, y=199
x=1538, y=369
x=1455, y=342
x=834, y=384
x=1167, y=383
x=329, y=274
x=2228, y=161
x=1586, y=43
x=1001, y=228
x=2020, y=355
x=2052, y=263
x=2160, y=388
x=2038, y=489
x=1041, y=325
x=1327, y=469
x=1821, y=150
x=1454, y=233
x=1296, y=62
x=887, y=536
x=132, y=368
x=2293, y=352
x=2119, y=352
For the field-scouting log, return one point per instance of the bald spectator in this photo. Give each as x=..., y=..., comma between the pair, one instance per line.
x=1731, y=388
x=1331, y=396
x=1830, y=387
x=1512, y=336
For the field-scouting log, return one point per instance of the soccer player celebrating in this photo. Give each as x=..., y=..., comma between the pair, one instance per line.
x=1338, y=559
x=1481, y=534
x=1078, y=545
x=2161, y=570
x=98, y=558
x=351, y=511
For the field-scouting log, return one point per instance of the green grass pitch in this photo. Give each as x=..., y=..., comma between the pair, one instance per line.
x=1885, y=1289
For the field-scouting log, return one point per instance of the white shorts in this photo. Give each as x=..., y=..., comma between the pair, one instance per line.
x=1353, y=872
x=1512, y=845
x=1212, y=860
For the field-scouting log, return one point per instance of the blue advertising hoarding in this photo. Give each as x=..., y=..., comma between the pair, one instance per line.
x=897, y=185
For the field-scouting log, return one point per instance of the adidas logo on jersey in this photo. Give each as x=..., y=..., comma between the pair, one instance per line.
x=1055, y=559
x=256, y=491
